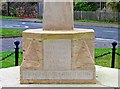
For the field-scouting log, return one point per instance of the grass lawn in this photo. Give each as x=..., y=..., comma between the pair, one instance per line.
x=8, y=17
x=103, y=61
x=10, y=61
x=106, y=60
x=10, y=32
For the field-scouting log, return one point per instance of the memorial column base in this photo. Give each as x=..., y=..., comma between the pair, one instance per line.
x=58, y=57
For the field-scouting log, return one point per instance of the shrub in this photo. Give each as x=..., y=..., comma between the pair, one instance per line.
x=85, y=6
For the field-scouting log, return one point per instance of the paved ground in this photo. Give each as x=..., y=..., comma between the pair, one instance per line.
x=59, y=88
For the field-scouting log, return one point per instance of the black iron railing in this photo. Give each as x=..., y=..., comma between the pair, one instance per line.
x=114, y=44
x=16, y=52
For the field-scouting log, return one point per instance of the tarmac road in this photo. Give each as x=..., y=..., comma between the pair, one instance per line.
x=100, y=32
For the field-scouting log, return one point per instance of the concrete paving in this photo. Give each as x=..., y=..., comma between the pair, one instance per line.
x=56, y=88
x=106, y=77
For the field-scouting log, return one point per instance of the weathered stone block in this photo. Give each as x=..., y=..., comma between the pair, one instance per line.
x=58, y=56
x=58, y=15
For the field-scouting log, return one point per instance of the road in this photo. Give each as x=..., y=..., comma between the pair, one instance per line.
x=103, y=36
x=100, y=32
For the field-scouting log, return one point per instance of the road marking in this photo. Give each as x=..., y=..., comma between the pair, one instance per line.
x=103, y=39
x=26, y=26
x=16, y=25
x=23, y=23
x=111, y=31
x=5, y=25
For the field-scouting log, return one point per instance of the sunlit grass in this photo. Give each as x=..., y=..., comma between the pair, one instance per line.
x=10, y=32
x=102, y=61
x=8, y=17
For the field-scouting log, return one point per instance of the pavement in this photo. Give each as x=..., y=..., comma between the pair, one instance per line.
x=106, y=78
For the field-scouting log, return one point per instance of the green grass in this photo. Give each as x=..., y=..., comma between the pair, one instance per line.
x=10, y=32
x=10, y=61
x=106, y=60
x=41, y=17
x=8, y=17
x=95, y=21
x=103, y=61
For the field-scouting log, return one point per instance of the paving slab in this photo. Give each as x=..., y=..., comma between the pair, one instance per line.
x=106, y=77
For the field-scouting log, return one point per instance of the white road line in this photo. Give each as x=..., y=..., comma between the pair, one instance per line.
x=23, y=23
x=26, y=26
x=16, y=25
x=103, y=39
x=111, y=31
x=5, y=25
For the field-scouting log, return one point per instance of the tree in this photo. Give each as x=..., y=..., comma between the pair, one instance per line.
x=115, y=6
x=7, y=8
x=85, y=6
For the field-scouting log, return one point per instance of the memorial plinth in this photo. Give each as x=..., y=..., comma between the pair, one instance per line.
x=58, y=56
x=58, y=53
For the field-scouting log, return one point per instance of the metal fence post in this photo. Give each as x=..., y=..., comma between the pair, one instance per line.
x=16, y=52
x=113, y=54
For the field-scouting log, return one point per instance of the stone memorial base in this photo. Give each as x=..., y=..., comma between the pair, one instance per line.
x=65, y=57
x=106, y=78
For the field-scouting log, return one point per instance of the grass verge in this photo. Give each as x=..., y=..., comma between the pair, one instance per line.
x=103, y=61
x=98, y=21
x=10, y=61
x=106, y=60
x=85, y=20
x=5, y=32
x=8, y=17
